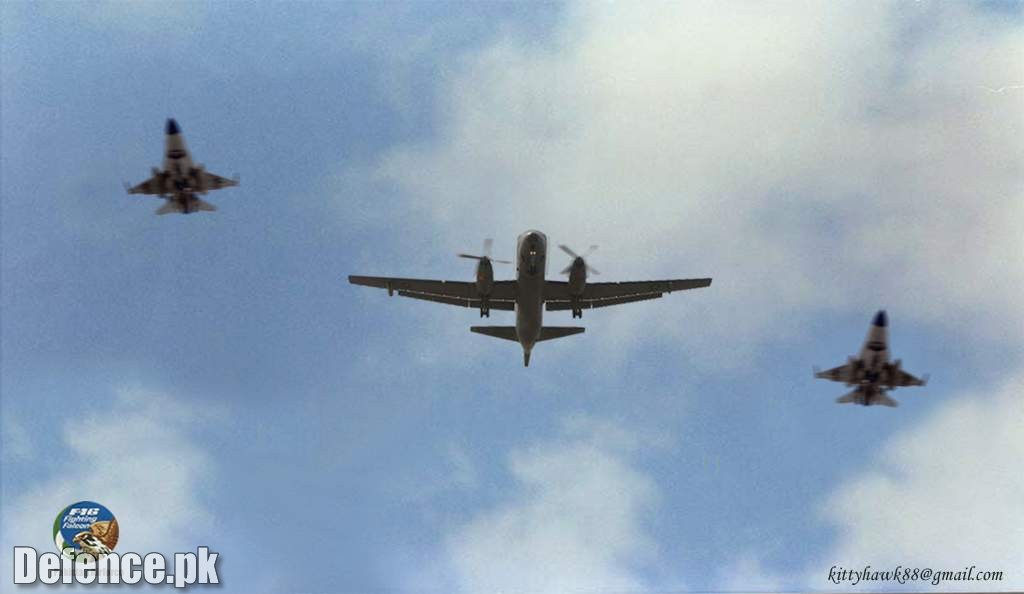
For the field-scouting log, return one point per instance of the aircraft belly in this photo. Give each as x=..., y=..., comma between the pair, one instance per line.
x=529, y=309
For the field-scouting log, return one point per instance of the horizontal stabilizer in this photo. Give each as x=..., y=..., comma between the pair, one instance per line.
x=506, y=332
x=884, y=400
x=855, y=397
x=553, y=332
x=203, y=205
x=193, y=205
x=169, y=208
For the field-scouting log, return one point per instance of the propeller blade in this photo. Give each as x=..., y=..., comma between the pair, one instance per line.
x=488, y=244
x=567, y=269
x=576, y=256
x=472, y=257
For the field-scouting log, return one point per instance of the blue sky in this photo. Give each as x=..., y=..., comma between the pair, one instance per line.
x=820, y=163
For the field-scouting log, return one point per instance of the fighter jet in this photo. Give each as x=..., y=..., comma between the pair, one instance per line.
x=530, y=293
x=871, y=372
x=180, y=180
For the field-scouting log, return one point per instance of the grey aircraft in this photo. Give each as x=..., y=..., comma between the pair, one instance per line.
x=180, y=180
x=871, y=372
x=530, y=293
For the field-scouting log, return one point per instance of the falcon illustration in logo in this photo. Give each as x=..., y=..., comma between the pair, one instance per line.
x=90, y=543
x=99, y=540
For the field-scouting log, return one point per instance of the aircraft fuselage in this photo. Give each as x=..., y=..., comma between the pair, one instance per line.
x=874, y=355
x=182, y=174
x=531, y=266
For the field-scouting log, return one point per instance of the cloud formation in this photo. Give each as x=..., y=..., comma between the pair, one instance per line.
x=947, y=494
x=138, y=456
x=814, y=159
x=811, y=158
x=574, y=519
x=748, y=574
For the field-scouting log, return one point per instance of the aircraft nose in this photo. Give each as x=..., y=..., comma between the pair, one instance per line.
x=172, y=126
x=880, y=319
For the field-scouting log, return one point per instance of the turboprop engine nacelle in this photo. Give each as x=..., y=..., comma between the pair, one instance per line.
x=577, y=271
x=577, y=277
x=484, y=276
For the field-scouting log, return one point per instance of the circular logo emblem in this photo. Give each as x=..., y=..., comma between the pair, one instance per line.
x=85, y=527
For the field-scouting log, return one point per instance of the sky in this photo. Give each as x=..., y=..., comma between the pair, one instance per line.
x=214, y=380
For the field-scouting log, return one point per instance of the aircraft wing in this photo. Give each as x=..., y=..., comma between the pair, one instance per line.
x=213, y=181
x=502, y=297
x=154, y=185
x=905, y=379
x=557, y=297
x=836, y=374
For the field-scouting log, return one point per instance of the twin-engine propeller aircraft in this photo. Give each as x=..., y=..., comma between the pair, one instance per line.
x=872, y=372
x=180, y=180
x=530, y=292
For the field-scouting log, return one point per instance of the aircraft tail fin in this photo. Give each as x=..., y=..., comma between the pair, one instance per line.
x=553, y=332
x=506, y=332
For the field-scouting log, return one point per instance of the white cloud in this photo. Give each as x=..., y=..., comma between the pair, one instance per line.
x=138, y=457
x=748, y=574
x=575, y=520
x=946, y=495
x=812, y=158
x=808, y=156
